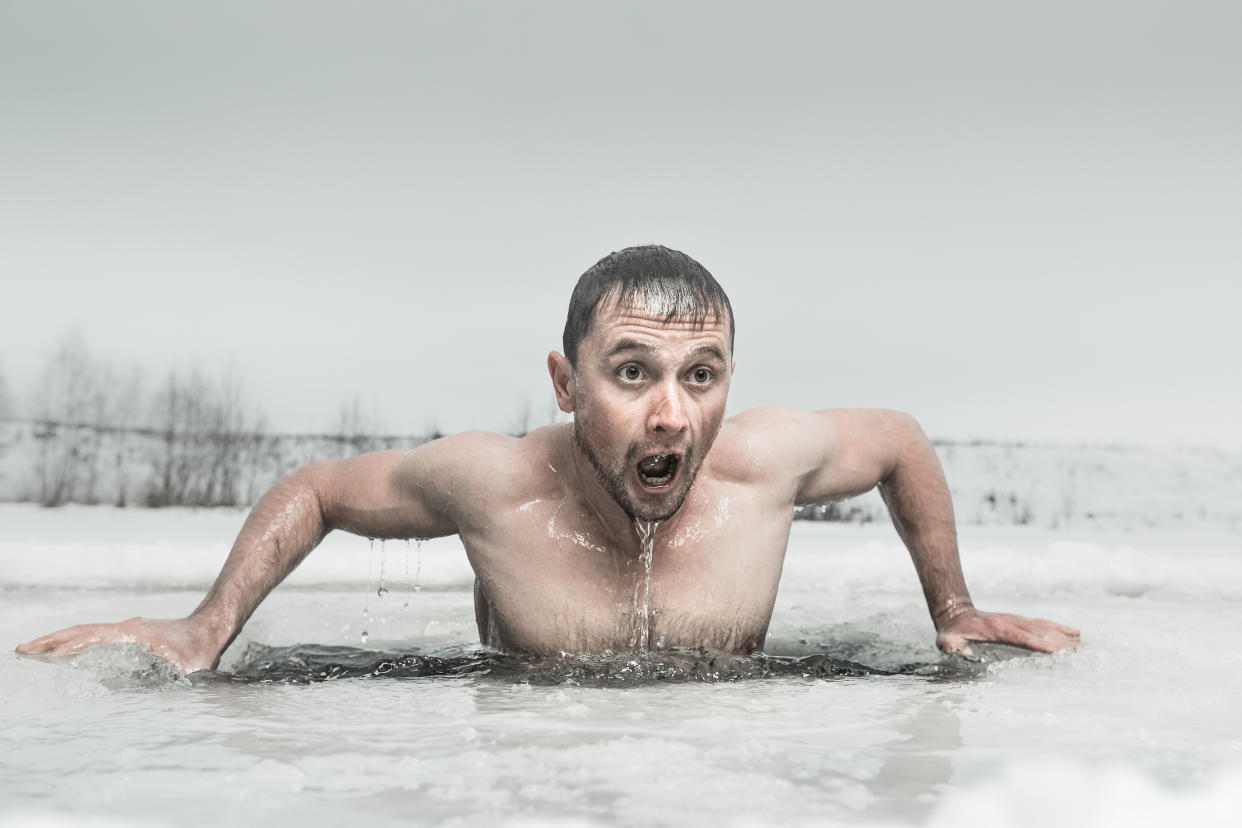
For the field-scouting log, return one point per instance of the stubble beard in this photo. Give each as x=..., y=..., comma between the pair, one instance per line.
x=613, y=481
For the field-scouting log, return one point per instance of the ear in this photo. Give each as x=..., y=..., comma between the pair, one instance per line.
x=562, y=374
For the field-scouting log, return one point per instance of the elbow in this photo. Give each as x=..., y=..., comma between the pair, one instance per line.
x=904, y=422
x=305, y=486
x=303, y=478
x=906, y=430
x=906, y=440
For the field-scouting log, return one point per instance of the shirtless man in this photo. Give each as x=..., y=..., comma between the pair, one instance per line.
x=553, y=523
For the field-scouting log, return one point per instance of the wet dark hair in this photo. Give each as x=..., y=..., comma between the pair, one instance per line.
x=668, y=281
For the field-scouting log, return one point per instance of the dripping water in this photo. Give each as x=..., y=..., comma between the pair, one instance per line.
x=646, y=530
x=418, y=565
x=405, y=606
x=415, y=584
x=383, y=590
x=366, y=614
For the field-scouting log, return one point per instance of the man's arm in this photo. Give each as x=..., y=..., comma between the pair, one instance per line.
x=390, y=494
x=862, y=449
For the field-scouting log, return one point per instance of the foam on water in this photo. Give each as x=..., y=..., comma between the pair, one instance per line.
x=126, y=667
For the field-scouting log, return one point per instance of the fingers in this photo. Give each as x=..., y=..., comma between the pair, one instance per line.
x=1045, y=641
x=71, y=640
x=1029, y=633
x=1049, y=637
x=954, y=644
x=49, y=642
x=1033, y=634
x=1043, y=623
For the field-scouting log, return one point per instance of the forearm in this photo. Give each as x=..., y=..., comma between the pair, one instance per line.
x=285, y=525
x=921, y=508
x=368, y=495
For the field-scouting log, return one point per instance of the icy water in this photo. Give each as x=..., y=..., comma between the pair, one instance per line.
x=851, y=717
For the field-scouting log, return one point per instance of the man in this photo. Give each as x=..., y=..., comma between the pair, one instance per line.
x=555, y=523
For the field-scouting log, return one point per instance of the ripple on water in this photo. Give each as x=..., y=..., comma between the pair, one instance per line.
x=309, y=663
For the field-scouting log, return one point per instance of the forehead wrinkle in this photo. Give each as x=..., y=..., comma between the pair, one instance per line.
x=632, y=332
x=635, y=318
x=629, y=326
x=656, y=312
x=680, y=351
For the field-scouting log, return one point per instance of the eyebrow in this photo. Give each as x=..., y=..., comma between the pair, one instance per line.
x=710, y=350
x=634, y=345
x=629, y=345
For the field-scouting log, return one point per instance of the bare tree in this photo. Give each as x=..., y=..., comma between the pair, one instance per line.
x=124, y=419
x=229, y=422
x=6, y=398
x=258, y=447
x=206, y=428
x=356, y=431
x=64, y=405
x=525, y=419
x=181, y=419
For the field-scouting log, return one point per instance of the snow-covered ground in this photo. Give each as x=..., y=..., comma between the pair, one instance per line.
x=1060, y=487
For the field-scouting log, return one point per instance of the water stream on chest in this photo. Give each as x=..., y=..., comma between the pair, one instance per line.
x=641, y=637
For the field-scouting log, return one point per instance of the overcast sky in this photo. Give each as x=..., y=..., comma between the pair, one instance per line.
x=1016, y=221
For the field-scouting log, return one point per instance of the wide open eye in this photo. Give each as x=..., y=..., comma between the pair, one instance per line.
x=701, y=376
x=631, y=373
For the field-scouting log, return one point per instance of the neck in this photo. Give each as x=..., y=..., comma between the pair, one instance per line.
x=625, y=532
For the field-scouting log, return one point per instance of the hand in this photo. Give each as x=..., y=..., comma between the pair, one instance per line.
x=184, y=642
x=1000, y=628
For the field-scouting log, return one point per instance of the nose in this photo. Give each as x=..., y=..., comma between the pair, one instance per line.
x=668, y=412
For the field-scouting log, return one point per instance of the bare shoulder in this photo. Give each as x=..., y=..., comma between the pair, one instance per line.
x=436, y=489
x=482, y=468
x=823, y=455
x=763, y=444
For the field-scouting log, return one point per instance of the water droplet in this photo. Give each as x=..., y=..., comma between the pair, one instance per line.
x=405, y=607
x=381, y=592
x=418, y=587
x=364, y=636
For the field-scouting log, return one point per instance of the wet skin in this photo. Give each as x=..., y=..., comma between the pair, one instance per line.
x=548, y=520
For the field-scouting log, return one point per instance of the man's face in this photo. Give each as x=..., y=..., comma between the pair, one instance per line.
x=648, y=398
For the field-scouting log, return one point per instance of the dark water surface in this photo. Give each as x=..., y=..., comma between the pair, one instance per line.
x=309, y=663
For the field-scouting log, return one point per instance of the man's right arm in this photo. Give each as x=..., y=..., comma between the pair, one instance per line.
x=390, y=494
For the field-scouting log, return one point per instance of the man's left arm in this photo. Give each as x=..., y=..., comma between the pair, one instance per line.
x=862, y=449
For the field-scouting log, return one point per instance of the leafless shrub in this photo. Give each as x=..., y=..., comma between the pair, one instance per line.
x=6, y=398
x=835, y=512
x=212, y=441
x=356, y=431
x=65, y=405
x=123, y=419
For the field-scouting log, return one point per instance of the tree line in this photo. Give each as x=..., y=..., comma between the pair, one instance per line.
x=96, y=433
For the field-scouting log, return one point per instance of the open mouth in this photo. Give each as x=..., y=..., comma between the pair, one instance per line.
x=656, y=471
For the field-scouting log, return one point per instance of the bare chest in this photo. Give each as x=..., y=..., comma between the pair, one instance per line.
x=551, y=583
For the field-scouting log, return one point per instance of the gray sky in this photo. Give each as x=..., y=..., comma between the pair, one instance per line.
x=1016, y=221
